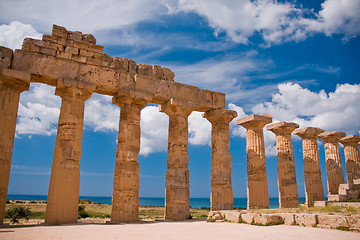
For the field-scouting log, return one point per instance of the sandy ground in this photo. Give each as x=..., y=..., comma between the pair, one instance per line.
x=173, y=230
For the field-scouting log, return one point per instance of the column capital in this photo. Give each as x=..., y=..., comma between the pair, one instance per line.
x=282, y=128
x=308, y=132
x=220, y=115
x=350, y=140
x=331, y=137
x=173, y=107
x=129, y=97
x=254, y=121
x=74, y=89
x=15, y=79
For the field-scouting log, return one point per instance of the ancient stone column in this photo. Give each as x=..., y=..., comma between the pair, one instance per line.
x=257, y=187
x=177, y=173
x=352, y=159
x=12, y=83
x=63, y=196
x=125, y=201
x=334, y=169
x=314, y=190
x=288, y=194
x=221, y=188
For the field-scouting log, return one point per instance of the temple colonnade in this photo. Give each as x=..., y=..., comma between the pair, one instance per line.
x=77, y=67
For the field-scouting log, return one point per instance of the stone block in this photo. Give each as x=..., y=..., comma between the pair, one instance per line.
x=47, y=51
x=93, y=61
x=49, y=38
x=74, y=35
x=96, y=48
x=333, y=221
x=72, y=50
x=64, y=55
x=59, y=31
x=289, y=218
x=6, y=55
x=86, y=53
x=306, y=220
x=231, y=216
x=89, y=38
x=248, y=217
x=319, y=203
x=266, y=219
x=79, y=59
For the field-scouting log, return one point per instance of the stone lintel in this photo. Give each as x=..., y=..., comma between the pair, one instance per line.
x=282, y=127
x=350, y=139
x=331, y=136
x=16, y=79
x=254, y=120
x=74, y=88
x=308, y=132
x=139, y=99
x=155, y=72
x=220, y=115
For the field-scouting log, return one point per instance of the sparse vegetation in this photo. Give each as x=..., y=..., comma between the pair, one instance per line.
x=17, y=212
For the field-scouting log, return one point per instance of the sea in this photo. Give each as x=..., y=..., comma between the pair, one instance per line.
x=156, y=202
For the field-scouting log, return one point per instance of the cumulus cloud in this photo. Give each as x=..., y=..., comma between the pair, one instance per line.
x=333, y=111
x=337, y=17
x=100, y=114
x=39, y=111
x=154, y=130
x=275, y=22
x=13, y=34
x=199, y=129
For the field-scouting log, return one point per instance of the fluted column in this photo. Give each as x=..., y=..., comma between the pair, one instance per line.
x=352, y=160
x=334, y=169
x=12, y=83
x=177, y=173
x=288, y=194
x=257, y=187
x=63, y=196
x=314, y=190
x=125, y=201
x=221, y=188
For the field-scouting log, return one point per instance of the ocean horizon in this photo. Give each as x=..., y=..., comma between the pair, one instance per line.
x=148, y=201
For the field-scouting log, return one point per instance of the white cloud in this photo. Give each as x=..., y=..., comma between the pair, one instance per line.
x=12, y=35
x=100, y=114
x=154, y=130
x=89, y=16
x=337, y=17
x=275, y=22
x=335, y=111
x=199, y=129
x=39, y=111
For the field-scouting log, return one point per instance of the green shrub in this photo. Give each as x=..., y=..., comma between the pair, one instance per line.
x=33, y=201
x=351, y=209
x=8, y=201
x=81, y=211
x=17, y=212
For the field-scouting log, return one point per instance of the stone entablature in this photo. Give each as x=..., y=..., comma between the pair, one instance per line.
x=75, y=56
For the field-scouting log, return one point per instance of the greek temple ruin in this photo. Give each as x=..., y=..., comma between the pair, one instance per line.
x=74, y=64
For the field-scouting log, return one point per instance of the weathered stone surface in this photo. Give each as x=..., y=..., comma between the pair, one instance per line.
x=334, y=170
x=288, y=195
x=12, y=83
x=289, y=218
x=63, y=196
x=257, y=188
x=125, y=202
x=313, y=185
x=306, y=220
x=221, y=188
x=6, y=55
x=352, y=158
x=177, y=192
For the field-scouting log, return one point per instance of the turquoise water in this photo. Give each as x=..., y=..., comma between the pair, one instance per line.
x=194, y=202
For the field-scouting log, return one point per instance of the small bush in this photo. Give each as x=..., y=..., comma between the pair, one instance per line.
x=18, y=201
x=33, y=201
x=8, y=201
x=17, y=212
x=81, y=211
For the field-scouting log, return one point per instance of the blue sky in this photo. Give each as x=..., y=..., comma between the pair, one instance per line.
x=296, y=60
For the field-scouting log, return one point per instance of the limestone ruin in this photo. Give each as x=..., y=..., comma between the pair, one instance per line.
x=77, y=67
